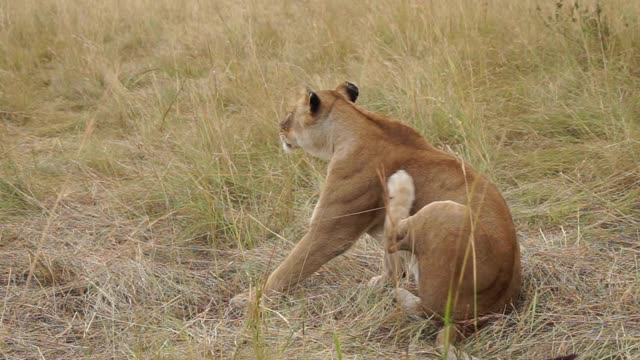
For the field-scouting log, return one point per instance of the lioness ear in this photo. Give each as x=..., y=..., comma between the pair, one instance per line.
x=349, y=90
x=314, y=100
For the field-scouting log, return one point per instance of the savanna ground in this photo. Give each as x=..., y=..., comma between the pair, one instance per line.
x=142, y=184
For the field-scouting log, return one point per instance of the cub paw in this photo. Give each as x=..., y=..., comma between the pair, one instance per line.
x=377, y=282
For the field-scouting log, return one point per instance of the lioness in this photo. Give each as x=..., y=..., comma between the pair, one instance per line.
x=361, y=148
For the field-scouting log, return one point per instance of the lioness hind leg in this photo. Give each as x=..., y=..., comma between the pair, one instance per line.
x=401, y=195
x=393, y=267
x=401, y=240
x=395, y=263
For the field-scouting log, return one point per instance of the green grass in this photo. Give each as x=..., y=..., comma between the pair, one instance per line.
x=142, y=184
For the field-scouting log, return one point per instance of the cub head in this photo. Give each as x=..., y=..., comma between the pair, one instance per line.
x=309, y=124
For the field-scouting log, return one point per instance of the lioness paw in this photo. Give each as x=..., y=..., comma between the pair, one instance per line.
x=410, y=303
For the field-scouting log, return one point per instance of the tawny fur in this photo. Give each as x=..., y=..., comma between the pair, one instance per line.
x=360, y=146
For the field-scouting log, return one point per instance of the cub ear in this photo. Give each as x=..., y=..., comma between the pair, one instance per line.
x=349, y=90
x=314, y=100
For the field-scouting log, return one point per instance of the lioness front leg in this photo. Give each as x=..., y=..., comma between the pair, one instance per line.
x=339, y=220
x=315, y=249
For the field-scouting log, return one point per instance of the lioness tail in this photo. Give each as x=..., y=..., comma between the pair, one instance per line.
x=401, y=193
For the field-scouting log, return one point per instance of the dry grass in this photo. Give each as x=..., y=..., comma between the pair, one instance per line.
x=142, y=185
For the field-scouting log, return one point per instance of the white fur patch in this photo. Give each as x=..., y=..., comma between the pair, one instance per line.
x=401, y=195
x=286, y=147
x=401, y=183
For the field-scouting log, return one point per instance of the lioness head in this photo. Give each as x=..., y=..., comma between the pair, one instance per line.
x=308, y=125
